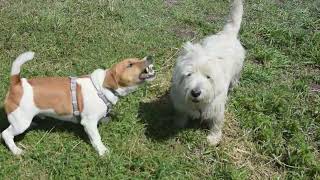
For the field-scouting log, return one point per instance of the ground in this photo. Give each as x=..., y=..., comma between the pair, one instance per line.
x=272, y=125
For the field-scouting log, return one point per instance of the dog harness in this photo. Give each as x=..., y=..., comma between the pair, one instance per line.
x=103, y=97
x=73, y=88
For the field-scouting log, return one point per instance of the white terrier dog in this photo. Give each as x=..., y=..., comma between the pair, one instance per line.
x=204, y=73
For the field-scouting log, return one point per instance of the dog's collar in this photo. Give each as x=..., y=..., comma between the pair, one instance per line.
x=106, y=95
x=100, y=94
x=97, y=78
x=114, y=92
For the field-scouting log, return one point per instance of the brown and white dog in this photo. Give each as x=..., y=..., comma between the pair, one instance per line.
x=52, y=96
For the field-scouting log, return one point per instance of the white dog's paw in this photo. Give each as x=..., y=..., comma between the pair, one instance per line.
x=17, y=151
x=214, y=138
x=102, y=151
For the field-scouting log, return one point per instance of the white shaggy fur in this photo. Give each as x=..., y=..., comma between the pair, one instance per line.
x=203, y=74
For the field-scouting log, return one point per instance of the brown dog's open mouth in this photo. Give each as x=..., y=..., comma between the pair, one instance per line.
x=148, y=73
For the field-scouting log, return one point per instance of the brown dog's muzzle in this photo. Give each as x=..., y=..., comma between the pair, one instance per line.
x=148, y=74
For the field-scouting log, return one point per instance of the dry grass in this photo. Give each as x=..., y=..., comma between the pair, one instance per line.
x=243, y=153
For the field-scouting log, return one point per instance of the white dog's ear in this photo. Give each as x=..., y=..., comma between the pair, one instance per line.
x=192, y=48
x=188, y=47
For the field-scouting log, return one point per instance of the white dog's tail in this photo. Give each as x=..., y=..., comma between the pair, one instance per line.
x=16, y=65
x=233, y=24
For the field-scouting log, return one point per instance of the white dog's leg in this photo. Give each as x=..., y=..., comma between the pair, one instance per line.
x=19, y=122
x=235, y=81
x=216, y=130
x=217, y=121
x=90, y=126
x=8, y=136
x=180, y=120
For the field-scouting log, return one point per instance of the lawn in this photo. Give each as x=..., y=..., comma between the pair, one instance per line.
x=272, y=127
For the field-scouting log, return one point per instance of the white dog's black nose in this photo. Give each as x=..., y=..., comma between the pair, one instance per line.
x=195, y=92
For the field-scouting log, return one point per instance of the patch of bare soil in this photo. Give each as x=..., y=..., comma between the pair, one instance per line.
x=3, y=3
x=170, y=3
x=280, y=2
x=315, y=87
x=184, y=32
x=214, y=18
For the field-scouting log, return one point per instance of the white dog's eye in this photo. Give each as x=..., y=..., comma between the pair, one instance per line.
x=189, y=74
x=208, y=77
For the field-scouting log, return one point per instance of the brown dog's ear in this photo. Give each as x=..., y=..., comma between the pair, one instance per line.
x=110, y=80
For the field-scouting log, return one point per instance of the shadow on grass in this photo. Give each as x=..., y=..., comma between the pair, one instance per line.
x=3, y=120
x=47, y=124
x=158, y=116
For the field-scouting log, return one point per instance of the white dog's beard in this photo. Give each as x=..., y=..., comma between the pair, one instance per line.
x=199, y=103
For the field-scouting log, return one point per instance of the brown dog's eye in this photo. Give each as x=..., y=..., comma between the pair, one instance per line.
x=130, y=65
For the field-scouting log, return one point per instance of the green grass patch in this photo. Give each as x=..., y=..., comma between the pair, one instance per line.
x=273, y=117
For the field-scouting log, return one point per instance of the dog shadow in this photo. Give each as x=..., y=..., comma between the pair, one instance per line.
x=3, y=120
x=158, y=117
x=48, y=125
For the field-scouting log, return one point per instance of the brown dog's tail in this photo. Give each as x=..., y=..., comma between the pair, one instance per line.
x=15, y=69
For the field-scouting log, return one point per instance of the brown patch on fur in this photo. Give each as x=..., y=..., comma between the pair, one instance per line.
x=110, y=80
x=13, y=96
x=124, y=74
x=54, y=93
x=15, y=79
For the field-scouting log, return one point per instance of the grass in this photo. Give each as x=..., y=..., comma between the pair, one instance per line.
x=272, y=125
